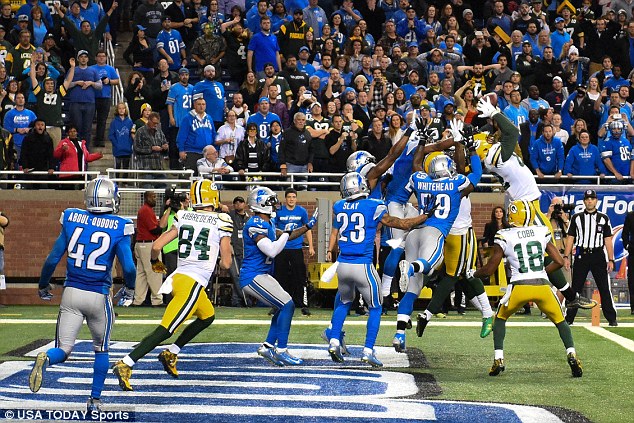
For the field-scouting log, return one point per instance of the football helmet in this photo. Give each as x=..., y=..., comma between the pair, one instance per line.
x=482, y=145
x=520, y=213
x=102, y=196
x=616, y=128
x=262, y=200
x=204, y=193
x=442, y=166
x=353, y=186
x=358, y=159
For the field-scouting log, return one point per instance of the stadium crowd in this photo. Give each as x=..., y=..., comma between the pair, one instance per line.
x=296, y=86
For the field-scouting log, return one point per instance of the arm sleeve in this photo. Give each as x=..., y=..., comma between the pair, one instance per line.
x=476, y=170
x=272, y=248
x=124, y=254
x=56, y=254
x=510, y=135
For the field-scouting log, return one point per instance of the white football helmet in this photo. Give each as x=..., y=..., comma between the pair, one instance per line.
x=442, y=166
x=353, y=186
x=262, y=200
x=358, y=159
x=102, y=196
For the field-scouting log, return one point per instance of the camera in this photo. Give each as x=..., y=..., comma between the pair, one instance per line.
x=176, y=199
x=559, y=209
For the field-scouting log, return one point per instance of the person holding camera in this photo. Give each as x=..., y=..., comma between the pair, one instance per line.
x=174, y=201
x=340, y=145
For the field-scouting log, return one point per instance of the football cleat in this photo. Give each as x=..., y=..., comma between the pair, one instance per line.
x=575, y=365
x=371, y=360
x=421, y=324
x=409, y=324
x=123, y=372
x=487, y=326
x=93, y=405
x=287, y=359
x=269, y=354
x=581, y=302
x=406, y=273
x=37, y=374
x=325, y=335
x=168, y=360
x=497, y=368
x=335, y=353
x=399, y=342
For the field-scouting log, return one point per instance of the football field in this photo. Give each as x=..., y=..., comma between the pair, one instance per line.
x=443, y=377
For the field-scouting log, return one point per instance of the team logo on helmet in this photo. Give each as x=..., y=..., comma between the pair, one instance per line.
x=353, y=185
x=102, y=196
x=442, y=166
x=521, y=213
x=262, y=200
x=357, y=160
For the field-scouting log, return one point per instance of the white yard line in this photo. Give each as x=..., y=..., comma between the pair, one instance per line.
x=626, y=343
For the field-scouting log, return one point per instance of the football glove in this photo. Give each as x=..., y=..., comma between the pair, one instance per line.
x=430, y=206
x=158, y=266
x=313, y=219
x=124, y=296
x=469, y=273
x=456, y=126
x=485, y=108
x=45, y=293
x=289, y=228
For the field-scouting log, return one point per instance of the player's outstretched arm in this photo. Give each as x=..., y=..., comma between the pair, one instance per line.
x=404, y=224
x=510, y=135
x=124, y=254
x=162, y=241
x=332, y=243
x=56, y=254
x=395, y=152
x=225, y=252
x=493, y=263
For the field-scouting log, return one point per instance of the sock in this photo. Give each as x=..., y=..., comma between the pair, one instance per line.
x=442, y=291
x=267, y=345
x=565, y=334
x=386, y=284
x=485, y=305
x=174, y=349
x=428, y=315
x=368, y=351
x=391, y=263
x=338, y=318
x=193, y=329
x=334, y=342
x=499, y=332
x=271, y=337
x=148, y=343
x=372, y=331
x=127, y=360
x=285, y=316
x=474, y=302
x=571, y=350
x=499, y=354
x=281, y=350
x=99, y=372
x=416, y=266
x=406, y=306
x=56, y=355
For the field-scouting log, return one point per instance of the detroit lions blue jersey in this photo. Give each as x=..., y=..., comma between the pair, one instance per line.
x=264, y=123
x=357, y=222
x=92, y=241
x=180, y=97
x=447, y=192
x=255, y=261
x=401, y=171
x=298, y=216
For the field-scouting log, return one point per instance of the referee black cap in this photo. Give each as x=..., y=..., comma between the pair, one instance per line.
x=590, y=193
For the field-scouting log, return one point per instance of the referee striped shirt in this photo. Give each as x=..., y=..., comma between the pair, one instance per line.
x=590, y=229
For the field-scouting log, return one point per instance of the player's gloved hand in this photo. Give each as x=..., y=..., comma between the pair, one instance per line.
x=469, y=273
x=45, y=293
x=456, y=126
x=470, y=145
x=313, y=219
x=158, y=266
x=430, y=206
x=485, y=108
x=289, y=227
x=125, y=296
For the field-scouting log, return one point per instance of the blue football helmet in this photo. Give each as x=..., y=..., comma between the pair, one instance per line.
x=353, y=186
x=357, y=160
x=262, y=200
x=442, y=166
x=102, y=196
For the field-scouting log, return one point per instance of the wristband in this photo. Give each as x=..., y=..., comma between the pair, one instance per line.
x=152, y=261
x=612, y=260
x=567, y=257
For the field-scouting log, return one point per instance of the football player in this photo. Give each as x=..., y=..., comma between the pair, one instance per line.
x=501, y=160
x=355, y=221
x=91, y=239
x=524, y=246
x=261, y=245
x=202, y=234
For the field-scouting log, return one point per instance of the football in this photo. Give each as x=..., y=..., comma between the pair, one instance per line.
x=493, y=98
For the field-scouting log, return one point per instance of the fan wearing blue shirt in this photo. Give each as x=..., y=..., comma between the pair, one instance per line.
x=263, y=118
x=17, y=121
x=108, y=77
x=547, y=154
x=263, y=48
x=584, y=159
x=170, y=45
x=214, y=94
x=514, y=111
x=195, y=133
x=179, y=103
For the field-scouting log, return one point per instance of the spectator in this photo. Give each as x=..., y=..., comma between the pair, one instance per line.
x=37, y=26
x=42, y=70
x=196, y=130
x=211, y=163
x=149, y=15
x=184, y=19
x=596, y=38
x=237, y=39
x=160, y=86
x=8, y=96
x=17, y=121
x=252, y=154
x=292, y=35
x=209, y=48
x=7, y=19
x=109, y=77
x=559, y=38
x=558, y=95
x=515, y=111
x=28, y=6
x=376, y=142
x=8, y=155
x=74, y=157
x=526, y=64
x=147, y=231
x=547, y=154
x=498, y=221
x=19, y=58
x=14, y=32
x=296, y=149
x=263, y=118
x=273, y=143
x=149, y=146
x=616, y=150
x=146, y=109
x=250, y=92
x=230, y=135
x=499, y=18
x=584, y=159
x=294, y=77
x=279, y=17
x=36, y=154
x=49, y=101
x=277, y=106
x=177, y=55
x=136, y=93
x=561, y=133
x=214, y=95
x=241, y=109
x=139, y=53
x=315, y=17
x=178, y=102
x=82, y=95
x=120, y=136
x=340, y=145
x=534, y=101
x=239, y=217
x=256, y=15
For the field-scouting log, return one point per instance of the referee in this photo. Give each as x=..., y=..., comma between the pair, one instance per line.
x=590, y=232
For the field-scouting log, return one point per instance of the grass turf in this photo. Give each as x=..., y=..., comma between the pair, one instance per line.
x=536, y=370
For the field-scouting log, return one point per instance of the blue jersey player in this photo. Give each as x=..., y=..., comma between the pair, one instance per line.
x=424, y=246
x=91, y=239
x=261, y=245
x=355, y=221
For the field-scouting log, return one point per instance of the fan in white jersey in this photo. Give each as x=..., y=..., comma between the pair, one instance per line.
x=203, y=234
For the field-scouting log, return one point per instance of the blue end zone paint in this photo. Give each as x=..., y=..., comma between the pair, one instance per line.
x=230, y=382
